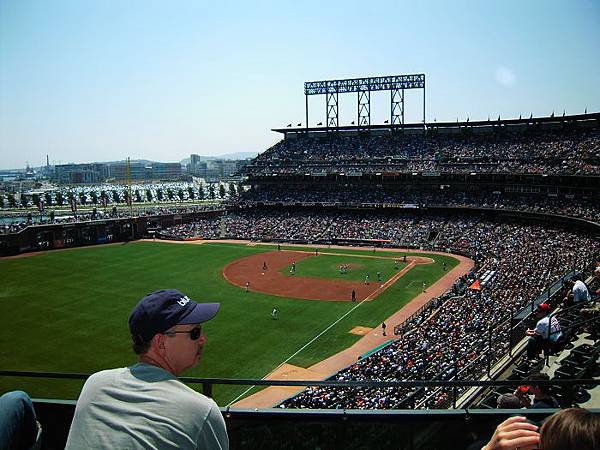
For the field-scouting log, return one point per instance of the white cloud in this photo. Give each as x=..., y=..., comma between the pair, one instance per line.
x=505, y=76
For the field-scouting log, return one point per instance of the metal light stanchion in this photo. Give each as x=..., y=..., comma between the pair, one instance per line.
x=489, y=351
x=454, y=397
x=510, y=334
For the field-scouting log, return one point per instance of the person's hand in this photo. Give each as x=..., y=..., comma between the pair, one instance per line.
x=514, y=433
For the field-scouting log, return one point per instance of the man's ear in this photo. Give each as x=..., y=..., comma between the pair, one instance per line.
x=158, y=342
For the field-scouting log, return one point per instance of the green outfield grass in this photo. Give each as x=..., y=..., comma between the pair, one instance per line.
x=327, y=266
x=67, y=311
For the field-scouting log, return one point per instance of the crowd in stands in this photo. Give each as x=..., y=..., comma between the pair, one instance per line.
x=200, y=229
x=317, y=226
x=517, y=262
x=573, y=207
x=548, y=152
x=453, y=340
x=408, y=229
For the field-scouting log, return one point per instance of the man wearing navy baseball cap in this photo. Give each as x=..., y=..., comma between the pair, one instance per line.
x=145, y=406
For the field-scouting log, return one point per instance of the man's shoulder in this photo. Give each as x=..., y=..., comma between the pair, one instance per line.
x=123, y=381
x=107, y=374
x=98, y=381
x=186, y=397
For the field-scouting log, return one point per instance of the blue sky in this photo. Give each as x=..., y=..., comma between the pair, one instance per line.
x=86, y=80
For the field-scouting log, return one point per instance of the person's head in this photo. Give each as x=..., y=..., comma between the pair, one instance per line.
x=543, y=309
x=508, y=401
x=166, y=329
x=571, y=429
x=535, y=389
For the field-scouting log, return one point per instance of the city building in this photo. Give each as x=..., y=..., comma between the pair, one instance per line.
x=80, y=173
x=145, y=171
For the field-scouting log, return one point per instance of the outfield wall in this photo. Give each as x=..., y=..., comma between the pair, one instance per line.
x=93, y=232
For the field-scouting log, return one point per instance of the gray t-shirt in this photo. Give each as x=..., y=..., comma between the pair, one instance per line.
x=144, y=407
x=580, y=292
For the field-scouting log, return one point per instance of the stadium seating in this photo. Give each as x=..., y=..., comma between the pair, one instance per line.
x=563, y=152
x=462, y=322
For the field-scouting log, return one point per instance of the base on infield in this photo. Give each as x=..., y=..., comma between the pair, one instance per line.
x=360, y=331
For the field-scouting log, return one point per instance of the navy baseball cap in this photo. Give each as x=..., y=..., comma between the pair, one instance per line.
x=161, y=310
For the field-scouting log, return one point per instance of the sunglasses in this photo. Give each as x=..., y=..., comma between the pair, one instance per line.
x=194, y=333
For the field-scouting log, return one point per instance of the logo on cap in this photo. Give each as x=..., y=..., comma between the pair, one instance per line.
x=183, y=300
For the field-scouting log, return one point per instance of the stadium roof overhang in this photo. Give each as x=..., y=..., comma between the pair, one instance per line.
x=436, y=125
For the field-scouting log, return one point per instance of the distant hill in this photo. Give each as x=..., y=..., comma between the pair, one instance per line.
x=230, y=156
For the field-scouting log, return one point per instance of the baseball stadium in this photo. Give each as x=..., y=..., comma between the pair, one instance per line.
x=378, y=282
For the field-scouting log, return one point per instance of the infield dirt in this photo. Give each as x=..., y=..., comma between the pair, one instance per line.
x=271, y=281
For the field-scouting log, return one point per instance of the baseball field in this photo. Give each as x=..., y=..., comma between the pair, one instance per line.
x=67, y=311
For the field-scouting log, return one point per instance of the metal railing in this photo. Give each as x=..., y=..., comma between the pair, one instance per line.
x=208, y=383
